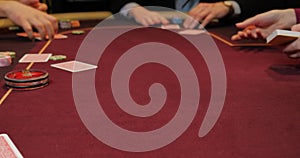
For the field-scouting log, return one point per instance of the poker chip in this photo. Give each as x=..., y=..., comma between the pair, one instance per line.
x=78, y=32
x=26, y=79
x=58, y=57
x=75, y=23
x=13, y=28
x=65, y=24
x=5, y=60
x=8, y=53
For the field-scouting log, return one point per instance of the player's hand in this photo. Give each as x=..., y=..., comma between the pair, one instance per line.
x=262, y=25
x=28, y=17
x=35, y=4
x=293, y=49
x=147, y=17
x=206, y=12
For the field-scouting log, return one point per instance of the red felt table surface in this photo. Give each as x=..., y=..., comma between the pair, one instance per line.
x=260, y=118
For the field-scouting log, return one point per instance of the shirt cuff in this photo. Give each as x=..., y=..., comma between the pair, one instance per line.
x=297, y=11
x=126, y=8
x=236, y=8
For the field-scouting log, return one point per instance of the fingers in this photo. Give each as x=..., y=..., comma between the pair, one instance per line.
x=152, y=19
x=295, y=55
x=248, y=32
x=293, y=47
x=42, y=7
x=206, y=12
x=50, y=26
x=296, y=28
x=196, y=14
x=147, y=17
x=190, y=23
x=207, y=20
x=247, y=23
x=27, y=28
x=31, y=17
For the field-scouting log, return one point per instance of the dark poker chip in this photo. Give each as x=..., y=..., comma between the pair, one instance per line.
x=26, y=79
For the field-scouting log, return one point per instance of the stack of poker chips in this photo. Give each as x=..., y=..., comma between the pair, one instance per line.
x=6, y=58
x=26, y=79
x=67, y=24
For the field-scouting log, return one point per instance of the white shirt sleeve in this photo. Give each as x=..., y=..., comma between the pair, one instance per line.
x=126, y=8
x=236, y=8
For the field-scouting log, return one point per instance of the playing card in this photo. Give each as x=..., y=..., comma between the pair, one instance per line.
x=191, y=32
x=170, y=26
x=28, y=58
x=279, y=37
x=38, y=37
x=74, y=66
x=7, y=148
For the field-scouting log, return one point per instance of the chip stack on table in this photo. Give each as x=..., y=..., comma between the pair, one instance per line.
x=67, y=24
x=26, y=79
x=6, y=58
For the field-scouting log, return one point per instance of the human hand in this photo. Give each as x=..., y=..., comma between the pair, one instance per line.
x=28, y=17
x=206, y=12
x=35, y=4
x=262, y=25
x=147, y=17
x=293, y=49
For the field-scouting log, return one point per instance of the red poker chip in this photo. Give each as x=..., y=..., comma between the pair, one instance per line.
x=27, y=79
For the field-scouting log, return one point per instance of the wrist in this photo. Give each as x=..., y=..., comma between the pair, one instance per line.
x=229, y=6
x=291, y=17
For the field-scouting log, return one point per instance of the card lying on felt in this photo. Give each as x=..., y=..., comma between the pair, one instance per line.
x=38, y=37
x=37, y=58
x=74, y=66
x=279, y=37
x=7, y=148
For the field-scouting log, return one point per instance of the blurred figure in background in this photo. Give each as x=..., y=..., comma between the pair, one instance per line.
x=204, y=11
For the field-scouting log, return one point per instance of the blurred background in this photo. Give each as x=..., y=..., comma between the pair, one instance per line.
x=65, y=6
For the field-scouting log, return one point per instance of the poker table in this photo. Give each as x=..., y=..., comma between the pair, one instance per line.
x=260, y=116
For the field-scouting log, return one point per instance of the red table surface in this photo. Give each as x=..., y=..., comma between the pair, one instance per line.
x=260, y=118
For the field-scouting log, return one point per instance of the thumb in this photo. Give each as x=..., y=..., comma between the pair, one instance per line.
x=296, y=27
x=251, y=21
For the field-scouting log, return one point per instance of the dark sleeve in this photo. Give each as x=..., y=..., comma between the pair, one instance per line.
x=251, y=8
x=116, y=5
x=297, y=10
